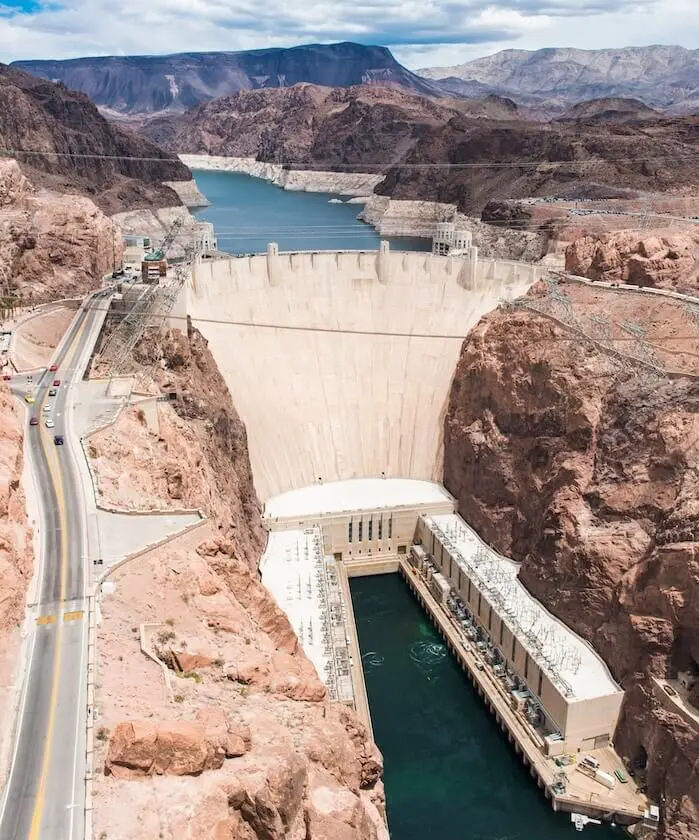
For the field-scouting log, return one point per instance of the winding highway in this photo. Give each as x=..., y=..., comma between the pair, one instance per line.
x=44, y=797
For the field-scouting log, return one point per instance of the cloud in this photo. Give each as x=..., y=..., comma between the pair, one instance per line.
x=415, y=28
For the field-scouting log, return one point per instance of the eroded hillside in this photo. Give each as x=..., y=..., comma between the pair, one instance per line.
x=70, y=147
x=583, y=466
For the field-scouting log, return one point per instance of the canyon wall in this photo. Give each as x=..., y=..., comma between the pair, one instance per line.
x=51, y=246
x=239, y=741
x=584, y=466
x=16, y=558
x=355, y=351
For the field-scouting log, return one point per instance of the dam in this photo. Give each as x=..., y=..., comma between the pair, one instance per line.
x=354, y=350
x=340, y=365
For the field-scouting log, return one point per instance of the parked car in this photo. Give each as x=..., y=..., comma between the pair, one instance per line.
x=58, y=440
x=30, y=378
x=28, y=398
x=56, y=383
x=34, y=421
x=7, y=377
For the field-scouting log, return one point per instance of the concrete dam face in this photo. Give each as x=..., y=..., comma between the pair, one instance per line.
x=340, y=363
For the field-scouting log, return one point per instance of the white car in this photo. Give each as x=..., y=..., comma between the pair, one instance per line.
x=50, y=424
x=47, y=407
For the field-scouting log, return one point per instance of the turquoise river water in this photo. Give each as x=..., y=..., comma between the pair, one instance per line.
x=450, y=774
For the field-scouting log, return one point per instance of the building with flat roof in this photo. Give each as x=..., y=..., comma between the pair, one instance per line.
x=551, y=669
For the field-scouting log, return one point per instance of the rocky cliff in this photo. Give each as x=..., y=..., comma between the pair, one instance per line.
x=517, y=159
x=583, y=465
x=306, y=124
x=16, y=558
x=148, y=84
x=51, y=245
x=232, y=734
x=663, y=77
x=70, y=147
x=664, y=259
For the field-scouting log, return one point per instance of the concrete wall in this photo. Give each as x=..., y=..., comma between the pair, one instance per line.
x=323, y=391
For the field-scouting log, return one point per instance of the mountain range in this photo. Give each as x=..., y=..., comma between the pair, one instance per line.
x=157, y=83
x=662, y=77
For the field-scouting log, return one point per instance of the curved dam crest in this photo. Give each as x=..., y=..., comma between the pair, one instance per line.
x=340, y=362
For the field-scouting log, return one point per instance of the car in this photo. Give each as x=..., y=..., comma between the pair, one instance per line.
x=49, y=424
x=47, y=407
x=28, y=398
x=53, y=368
x=58, y=440
x=34, y=421
x=52, y=392
x=56, y=383
x=7, y=377
x=30, y=378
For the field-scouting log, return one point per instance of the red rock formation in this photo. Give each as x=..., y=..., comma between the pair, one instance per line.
x=667, y=259
x=51, y=246
x=564, y=458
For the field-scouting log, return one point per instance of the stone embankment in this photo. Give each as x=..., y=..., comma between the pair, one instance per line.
x=585, y=469
x=282, y=761
x=341, y=183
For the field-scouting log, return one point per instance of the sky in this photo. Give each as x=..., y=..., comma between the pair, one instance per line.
x=421, y=33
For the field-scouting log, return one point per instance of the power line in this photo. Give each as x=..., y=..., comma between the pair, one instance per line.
x=300, y=328
x=353, y=167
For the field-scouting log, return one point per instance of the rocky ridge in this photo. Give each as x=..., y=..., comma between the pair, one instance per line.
x=148, y=84
x=72, y=148
x=661, y=76
x=583, y=467
x=246, y=722
x=51, y=246
x=664, y=259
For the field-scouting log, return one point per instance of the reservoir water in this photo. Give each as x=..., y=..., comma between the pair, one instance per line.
x=248, y=213
x=450, y=774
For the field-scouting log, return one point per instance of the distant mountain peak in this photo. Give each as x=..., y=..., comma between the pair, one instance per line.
x=151, y=84
x=664, y=77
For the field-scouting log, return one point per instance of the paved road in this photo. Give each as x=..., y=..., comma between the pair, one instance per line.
x=45, y=793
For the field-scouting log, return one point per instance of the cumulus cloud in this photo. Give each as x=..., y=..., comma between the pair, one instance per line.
x=418, y=30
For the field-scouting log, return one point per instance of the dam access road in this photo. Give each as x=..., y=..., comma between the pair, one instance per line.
x=44, y=797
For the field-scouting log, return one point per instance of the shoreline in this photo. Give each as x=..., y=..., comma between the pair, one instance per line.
x=355, y=184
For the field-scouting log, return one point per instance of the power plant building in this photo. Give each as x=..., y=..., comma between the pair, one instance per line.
x=566, y=686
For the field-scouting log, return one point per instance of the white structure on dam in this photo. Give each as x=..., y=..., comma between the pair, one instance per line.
x=340, y=363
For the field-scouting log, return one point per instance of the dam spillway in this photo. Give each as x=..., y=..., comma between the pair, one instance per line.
x=340, y=363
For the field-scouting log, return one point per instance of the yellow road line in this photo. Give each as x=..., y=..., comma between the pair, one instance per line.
x=55, y=470
x=46, y=619
x=75, y=615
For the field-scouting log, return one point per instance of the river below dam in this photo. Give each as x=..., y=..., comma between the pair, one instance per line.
x=450, y=773
x=248, y=213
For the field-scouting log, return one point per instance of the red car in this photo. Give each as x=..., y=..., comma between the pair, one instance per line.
x=34, y=421
x=53, y=367
x=56, y=383
x=7, y=377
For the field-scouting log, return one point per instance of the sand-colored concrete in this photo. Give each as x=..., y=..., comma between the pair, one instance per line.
x=340, y=363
